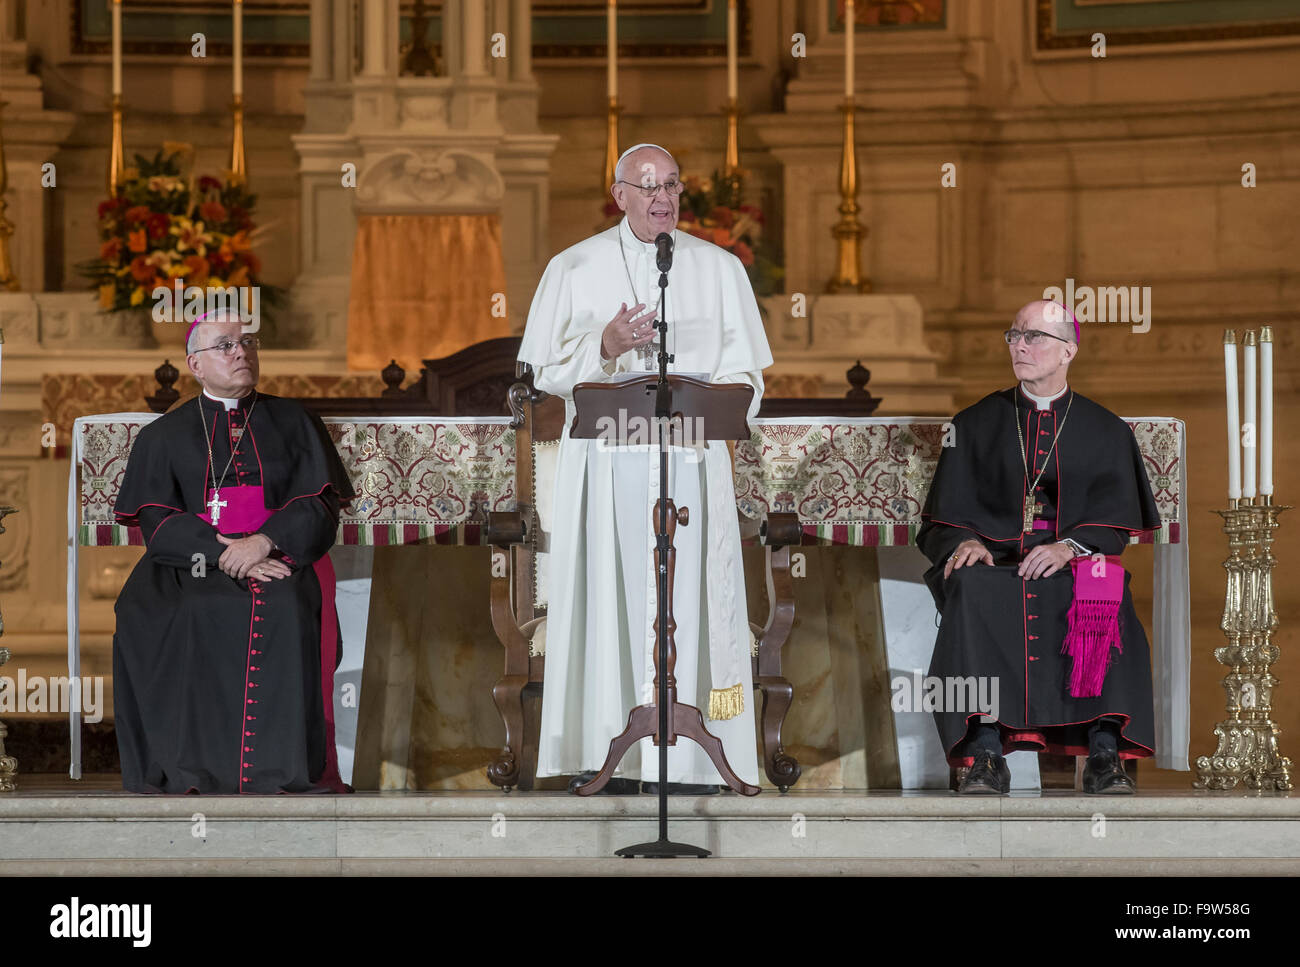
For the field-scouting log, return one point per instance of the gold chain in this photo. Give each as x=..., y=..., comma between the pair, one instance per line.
x=1024, y=459
x=248, y=427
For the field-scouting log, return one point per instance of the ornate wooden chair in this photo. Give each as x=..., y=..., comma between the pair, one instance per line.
x=519, y=598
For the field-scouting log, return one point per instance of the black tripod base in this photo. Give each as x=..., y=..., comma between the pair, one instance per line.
x=662, y=849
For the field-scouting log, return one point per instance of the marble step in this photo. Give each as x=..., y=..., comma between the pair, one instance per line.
x=422, y=833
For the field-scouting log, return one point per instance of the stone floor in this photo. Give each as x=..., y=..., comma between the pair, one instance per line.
x=54, y=826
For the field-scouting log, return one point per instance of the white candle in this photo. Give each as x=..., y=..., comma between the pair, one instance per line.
x=732, y=50
x=239, y=47
x=117, y=47
x=849, y=16
x=1234, y=419
x=1250, y=425
x=611, y=39
x=1266, y=412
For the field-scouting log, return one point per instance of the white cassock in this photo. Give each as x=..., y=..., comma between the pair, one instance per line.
x=601, y=587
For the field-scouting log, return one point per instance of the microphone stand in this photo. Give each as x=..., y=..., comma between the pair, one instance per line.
x=664, y=553
x=673, y=718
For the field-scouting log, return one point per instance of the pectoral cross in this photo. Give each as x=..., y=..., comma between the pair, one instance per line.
x=215, y=505
x=1031, y=508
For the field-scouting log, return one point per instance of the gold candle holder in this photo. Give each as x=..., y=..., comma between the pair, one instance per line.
x=7, y=278
x=848, y=231
x=731, y=156
x=1247, y=750
x=116, y=163
x=611, y=143
x=8, y=764
x=238, y=162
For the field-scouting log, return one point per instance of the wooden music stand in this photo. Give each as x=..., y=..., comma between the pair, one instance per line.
x=717, y=412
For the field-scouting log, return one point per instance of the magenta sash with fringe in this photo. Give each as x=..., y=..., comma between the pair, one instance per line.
x=1093, y=622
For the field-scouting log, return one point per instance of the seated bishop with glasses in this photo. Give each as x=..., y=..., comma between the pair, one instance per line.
x=227, y=638
x=1037, y=492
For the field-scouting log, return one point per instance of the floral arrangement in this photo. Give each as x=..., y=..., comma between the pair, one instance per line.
x=711, y=209
x=161, y=227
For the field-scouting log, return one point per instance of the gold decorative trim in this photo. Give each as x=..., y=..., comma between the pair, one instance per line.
x=726, y=703
x=1046, y=37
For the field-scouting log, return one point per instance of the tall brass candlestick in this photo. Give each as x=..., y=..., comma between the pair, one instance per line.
x=116, y=164
x=611, y=143
x=8, y=764
x=238, y=163
x=848, y=231
x=1247, y=750
x=731, y=157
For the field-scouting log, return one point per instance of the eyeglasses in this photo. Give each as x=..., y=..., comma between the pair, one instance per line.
x=1032, y=337
x=672, y=187
x=227, y=346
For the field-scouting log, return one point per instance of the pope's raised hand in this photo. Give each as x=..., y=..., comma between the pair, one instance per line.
x=627, y=330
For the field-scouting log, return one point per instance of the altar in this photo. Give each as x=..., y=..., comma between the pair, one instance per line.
x=414, y=689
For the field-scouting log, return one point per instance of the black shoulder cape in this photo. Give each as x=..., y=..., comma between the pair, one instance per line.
x=980, y=481
x=169, y=458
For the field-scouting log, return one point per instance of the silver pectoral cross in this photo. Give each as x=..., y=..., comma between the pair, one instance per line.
x=215, y=505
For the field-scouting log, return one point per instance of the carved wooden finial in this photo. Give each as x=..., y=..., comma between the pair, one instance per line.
x=166, y=376
x=858, y=376
x=393, y=375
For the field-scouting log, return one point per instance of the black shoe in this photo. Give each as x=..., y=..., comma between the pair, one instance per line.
x=1104, y=775
x=681, y=789
x=988, y=776
x=615, y=787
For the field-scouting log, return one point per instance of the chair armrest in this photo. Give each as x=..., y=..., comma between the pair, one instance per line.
x=505, y=528
x=781, y=530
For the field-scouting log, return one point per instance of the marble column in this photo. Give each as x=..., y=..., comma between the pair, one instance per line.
x=374, y=38
x=320, y=41
x=521, y=41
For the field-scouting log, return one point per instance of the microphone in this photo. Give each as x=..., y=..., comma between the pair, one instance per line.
x=664, y=251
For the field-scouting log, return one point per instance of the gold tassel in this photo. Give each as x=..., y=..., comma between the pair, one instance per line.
x=726, y=703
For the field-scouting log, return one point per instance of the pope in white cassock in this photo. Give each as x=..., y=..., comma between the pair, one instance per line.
x=591, y=319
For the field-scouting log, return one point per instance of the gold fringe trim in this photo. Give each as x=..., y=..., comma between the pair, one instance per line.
x=726, y=703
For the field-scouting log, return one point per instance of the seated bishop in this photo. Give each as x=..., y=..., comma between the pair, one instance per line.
x=1027, y=514
x=227, y=637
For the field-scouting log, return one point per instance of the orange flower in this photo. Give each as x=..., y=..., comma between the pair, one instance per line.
x=722, y=236
x=138, y=242
x=744, y=253
x=196, y=270
x=107, y=292
x=110, y=250
x=141, y=269
x=239, y=242
x=212, y=211
x=136, y=214
x=238, y=277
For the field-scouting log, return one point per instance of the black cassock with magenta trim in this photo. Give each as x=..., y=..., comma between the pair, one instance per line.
x=223, y=685
x=998, y=627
